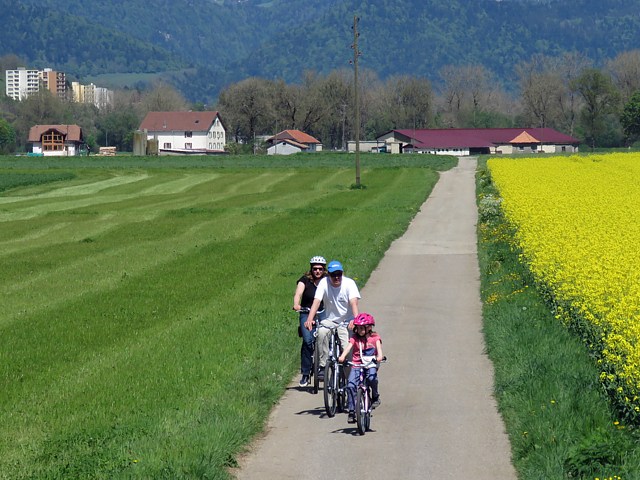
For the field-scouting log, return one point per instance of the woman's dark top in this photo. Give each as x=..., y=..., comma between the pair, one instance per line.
x=309, y=291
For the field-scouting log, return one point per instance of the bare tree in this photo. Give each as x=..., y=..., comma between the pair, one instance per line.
x=163, y=98
x=625, y=72
x=453, y=93
x=468, y=95
x=542, y=90
x=247, y=108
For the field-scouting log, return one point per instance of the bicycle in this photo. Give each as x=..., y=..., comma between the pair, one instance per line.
x=363, y=395
x=335, y=382
x=315, y=357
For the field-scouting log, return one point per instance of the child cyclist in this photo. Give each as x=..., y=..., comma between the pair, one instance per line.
x=365, y=345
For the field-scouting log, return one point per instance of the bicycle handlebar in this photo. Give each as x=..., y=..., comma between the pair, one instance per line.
x=343, y=323
x=366, y=365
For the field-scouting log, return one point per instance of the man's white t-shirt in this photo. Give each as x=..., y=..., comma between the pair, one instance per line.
x=336, y=299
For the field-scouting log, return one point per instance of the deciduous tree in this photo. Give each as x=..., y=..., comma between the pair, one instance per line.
x=600, y=100
x=7, y=137
x=630, y=118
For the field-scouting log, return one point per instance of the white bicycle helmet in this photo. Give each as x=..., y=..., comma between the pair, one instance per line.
x=317, y=260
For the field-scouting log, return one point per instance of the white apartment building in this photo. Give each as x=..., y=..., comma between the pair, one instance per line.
x=21, y=83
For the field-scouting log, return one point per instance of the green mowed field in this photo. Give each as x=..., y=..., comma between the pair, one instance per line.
x=146, y=326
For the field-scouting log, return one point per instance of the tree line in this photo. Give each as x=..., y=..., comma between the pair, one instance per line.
x=598, y=105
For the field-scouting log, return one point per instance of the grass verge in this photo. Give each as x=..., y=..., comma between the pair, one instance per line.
x=558, y=418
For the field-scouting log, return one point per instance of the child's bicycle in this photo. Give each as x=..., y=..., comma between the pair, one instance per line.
x=315, y=358
x=335, y=382
x=363, y=395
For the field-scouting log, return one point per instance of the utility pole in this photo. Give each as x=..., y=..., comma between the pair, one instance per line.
x=356, y=54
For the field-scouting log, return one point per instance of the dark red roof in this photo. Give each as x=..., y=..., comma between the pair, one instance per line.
x=178, y=121
x=481, y=137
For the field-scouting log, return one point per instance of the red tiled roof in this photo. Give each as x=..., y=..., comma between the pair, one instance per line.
x=481, y=137
x=72, y=133
x=295, y=135
x=178, y=121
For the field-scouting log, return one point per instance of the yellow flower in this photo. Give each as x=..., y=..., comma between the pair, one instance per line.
x=576, y=227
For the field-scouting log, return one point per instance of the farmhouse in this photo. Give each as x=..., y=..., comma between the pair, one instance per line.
x=292, y=141
x=181, y=133
x=475, y=141
x=56, y=140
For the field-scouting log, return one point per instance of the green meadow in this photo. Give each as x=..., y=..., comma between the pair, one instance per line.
x=146, y=326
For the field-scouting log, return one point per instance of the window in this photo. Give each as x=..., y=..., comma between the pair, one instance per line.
x=188, y=134
x=52, y=142
x=166, y=145
x=188, y=146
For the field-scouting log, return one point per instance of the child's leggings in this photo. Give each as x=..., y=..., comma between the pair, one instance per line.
x=354, y=379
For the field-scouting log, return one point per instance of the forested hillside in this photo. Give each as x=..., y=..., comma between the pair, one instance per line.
x=211, y=43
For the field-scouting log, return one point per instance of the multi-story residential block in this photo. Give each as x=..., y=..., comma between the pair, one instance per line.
x=98, y=96
x=21, y=83
x=55, y=82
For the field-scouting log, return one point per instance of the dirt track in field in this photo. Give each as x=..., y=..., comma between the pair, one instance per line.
x=438, y=418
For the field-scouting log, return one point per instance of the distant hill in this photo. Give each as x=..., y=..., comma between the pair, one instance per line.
x=211, y=43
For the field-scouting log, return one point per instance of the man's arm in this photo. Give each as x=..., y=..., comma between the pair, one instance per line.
x=353, y=302
x=312, y=314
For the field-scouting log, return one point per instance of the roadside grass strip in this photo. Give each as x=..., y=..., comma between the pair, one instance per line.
x=570, y=230
x=146, y=328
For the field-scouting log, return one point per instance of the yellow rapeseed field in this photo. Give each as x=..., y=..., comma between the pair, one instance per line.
x=577, y=223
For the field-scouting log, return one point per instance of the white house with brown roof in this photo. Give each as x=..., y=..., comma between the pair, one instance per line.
x=56, y=140
x=180, y=133
x=288, y=142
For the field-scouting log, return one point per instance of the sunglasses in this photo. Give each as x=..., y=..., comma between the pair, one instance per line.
x=318, y=269
x=336, y=274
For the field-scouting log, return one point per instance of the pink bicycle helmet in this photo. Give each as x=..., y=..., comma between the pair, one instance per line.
x=364, y=319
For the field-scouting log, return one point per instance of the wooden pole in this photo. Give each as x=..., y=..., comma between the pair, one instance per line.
x=356, y=54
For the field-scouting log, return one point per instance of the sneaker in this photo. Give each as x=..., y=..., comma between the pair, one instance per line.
x=376, y=402
x=304, y=381
x=352, y=417
x=321, y=375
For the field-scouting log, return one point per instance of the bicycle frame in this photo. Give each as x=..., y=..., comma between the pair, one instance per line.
x=334, y=379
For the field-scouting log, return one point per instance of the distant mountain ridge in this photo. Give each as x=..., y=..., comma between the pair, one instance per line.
x=221, y=41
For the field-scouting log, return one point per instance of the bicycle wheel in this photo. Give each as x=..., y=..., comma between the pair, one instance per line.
x=341, y=401
x=315, y=370
x=361, y=411
x=330, y=388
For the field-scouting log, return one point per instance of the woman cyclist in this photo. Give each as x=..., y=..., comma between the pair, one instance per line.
x=302, y=301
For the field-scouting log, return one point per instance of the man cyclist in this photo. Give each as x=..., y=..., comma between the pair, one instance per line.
x=340, y=296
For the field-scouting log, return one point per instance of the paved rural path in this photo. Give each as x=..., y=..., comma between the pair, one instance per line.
x=438, y=418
